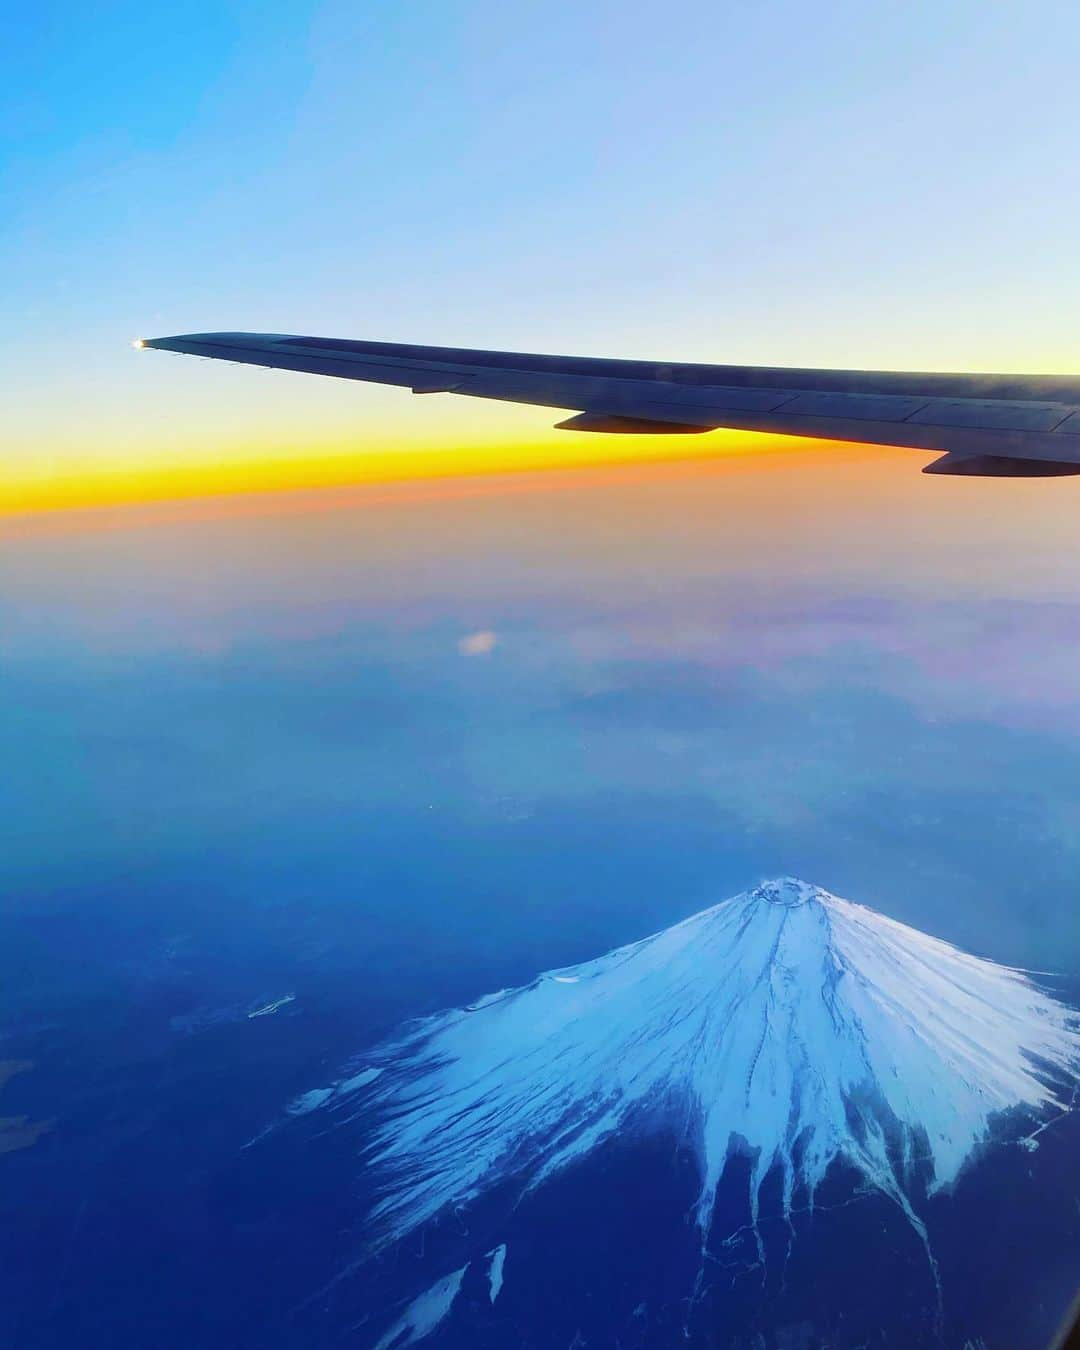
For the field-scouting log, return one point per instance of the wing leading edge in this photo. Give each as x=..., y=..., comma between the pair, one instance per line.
x=999, y=425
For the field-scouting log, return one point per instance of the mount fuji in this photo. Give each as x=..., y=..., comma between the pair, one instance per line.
x=786, y=1027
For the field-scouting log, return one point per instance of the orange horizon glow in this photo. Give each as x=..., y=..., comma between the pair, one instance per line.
x=76, y=489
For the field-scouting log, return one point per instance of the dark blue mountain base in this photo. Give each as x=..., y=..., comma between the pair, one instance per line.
x=607, y=1257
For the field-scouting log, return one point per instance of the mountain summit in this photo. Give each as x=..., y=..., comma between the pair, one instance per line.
x=787, y=1024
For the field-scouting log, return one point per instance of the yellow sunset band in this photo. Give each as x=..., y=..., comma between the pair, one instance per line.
x=73, y=488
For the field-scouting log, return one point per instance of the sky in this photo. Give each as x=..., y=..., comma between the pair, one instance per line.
x=890, y=186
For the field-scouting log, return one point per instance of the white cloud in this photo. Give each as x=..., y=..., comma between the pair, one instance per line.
x=478, y=644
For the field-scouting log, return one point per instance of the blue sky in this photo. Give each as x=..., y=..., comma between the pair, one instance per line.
x=884, y=185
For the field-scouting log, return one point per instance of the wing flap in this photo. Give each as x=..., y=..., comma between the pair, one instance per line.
x=992, y=414
x=861, y=407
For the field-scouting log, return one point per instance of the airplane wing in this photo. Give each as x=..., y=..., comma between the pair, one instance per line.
x=995, y=425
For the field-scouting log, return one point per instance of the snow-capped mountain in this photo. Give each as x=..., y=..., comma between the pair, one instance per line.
x=785, y=1021
x=786, y=1025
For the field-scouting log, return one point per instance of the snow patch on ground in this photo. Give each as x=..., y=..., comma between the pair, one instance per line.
x=495, y=1271
x=309, y=1101
x=423, y=1314
x=358, y=1080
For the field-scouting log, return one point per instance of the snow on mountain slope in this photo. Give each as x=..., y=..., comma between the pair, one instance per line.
x=785, y=1022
